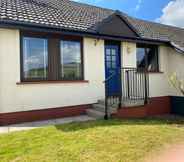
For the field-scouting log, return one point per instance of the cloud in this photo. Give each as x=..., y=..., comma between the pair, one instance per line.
x=173, y=14
x=138, y=6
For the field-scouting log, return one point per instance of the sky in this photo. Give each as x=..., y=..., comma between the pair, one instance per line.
x=170, y=12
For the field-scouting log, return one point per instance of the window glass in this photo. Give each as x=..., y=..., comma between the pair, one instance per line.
x=147, y=57
x=141, y=58
x=71, y=61
x=35, y=58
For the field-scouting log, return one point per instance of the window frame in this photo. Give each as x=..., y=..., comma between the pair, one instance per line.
x=23, y=79
x=146, y=46
x=80, y=40
x=53, y=70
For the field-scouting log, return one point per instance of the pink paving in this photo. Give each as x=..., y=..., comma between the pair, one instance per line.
x=173, y=154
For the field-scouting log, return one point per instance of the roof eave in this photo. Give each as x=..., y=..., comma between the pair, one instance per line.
x=63, y=30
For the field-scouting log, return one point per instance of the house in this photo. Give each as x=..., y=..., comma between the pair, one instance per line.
x=59, y=57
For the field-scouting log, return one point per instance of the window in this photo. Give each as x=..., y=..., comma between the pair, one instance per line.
x=70, y=60
x=147, y=57
x=35, y=58
x=51, y=57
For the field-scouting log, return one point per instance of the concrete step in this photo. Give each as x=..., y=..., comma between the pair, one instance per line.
x=100, y=107
x=132, y=103
x=95, y=114
x=109, y=103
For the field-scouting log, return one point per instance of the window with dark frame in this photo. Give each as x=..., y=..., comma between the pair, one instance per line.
x=35, y=58
x=147, y=57
x=51, y=58
x=70, y=60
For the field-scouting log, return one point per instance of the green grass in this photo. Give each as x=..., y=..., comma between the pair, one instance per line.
x=95, y=141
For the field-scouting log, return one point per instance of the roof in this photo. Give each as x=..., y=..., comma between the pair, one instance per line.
x=66, y=14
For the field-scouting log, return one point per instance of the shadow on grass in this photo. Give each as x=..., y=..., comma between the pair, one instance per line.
x=167, y=120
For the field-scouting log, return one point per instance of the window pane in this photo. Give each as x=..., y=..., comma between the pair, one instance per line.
x=71, y=64
x=147, y=56
x=141, y=58
x=35, y=58
x=152, y=59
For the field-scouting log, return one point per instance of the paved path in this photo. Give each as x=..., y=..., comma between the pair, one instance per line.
x=174, y=153
x=33, y=125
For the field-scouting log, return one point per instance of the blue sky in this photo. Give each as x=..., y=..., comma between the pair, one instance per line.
x=165, y=11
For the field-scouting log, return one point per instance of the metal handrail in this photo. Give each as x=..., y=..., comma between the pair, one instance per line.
x=136, y=86
x=110, y=77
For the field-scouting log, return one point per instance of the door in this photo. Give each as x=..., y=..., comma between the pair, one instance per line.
x=112, y=69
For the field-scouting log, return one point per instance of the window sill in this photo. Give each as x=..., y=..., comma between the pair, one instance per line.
x=53, y=82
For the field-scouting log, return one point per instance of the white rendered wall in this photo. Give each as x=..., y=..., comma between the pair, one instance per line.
x=158, y=82
x=17, y=98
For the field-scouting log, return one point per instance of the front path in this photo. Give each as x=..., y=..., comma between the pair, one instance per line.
x=37, y=124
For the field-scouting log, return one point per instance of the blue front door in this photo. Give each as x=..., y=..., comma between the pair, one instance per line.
x=112, y=69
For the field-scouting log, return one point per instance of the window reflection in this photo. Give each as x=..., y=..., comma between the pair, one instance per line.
x=71, y=64
x=147, y=57
x=35, y=58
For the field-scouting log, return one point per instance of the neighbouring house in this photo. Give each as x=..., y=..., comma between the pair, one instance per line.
x=59, y=57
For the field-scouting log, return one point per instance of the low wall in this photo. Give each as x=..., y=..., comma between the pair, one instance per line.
x=36, y=115
x=157, y=106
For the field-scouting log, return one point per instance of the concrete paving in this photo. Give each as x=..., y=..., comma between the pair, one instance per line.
x=38, y=124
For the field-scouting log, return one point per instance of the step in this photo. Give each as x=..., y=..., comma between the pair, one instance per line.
x=95, y=114
x=132, y=103
x=100, y=107
x=103, y=102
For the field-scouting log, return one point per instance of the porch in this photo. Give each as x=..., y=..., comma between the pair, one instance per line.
x=132, y=91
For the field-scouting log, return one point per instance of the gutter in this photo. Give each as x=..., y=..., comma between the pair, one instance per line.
x=62, y=30
x=177, y=47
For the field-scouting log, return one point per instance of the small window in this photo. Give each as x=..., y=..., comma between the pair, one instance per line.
x=35, y=58
x=70, y=60
x=147, y=57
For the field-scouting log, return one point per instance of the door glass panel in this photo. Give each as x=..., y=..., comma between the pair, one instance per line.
x=108, y=51
x=108, y=58
x=113, y=64
x=113, y=52
x=113, y=58
x=108, y=64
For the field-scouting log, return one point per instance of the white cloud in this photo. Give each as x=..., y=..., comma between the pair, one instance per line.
x=173, y=14
x=137, y=7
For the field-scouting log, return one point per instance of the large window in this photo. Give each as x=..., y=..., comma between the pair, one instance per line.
x=70, y=60
x=35, y=58
x=147, y=57
x=51, y=57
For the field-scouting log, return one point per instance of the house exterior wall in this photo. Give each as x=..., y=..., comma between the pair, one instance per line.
x=176, y=65
x=128, y=54
x=158, y=82
x=16, y=98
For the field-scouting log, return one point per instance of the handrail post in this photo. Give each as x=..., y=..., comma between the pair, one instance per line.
x=106, y=103
x=128, y=82
x=146, y=87
x=120, y=93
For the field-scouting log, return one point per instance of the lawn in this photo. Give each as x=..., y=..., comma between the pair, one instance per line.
x=94, y=141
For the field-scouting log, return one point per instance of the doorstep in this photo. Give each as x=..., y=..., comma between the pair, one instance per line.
x=38, y=124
